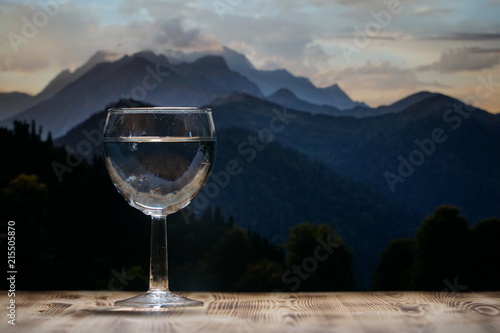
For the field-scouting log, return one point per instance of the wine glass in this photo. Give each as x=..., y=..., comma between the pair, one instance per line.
x=158, y=159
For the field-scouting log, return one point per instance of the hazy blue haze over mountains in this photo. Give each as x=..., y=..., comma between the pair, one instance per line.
x=327, y=164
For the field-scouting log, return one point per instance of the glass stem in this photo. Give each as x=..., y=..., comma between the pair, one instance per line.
x=158, y=269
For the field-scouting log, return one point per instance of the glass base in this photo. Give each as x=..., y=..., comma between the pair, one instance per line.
x=158, y=299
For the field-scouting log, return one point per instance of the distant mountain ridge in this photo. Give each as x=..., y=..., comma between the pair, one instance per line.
x=11, y=103
x=271, y=81
x=143, y=76
x=22, y=106
x=71, y=97
x=10, y=107
x=66, y=77
x=286, y=98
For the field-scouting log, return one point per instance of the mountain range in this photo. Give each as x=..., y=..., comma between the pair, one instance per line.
x=306, y=153
x=68, y=100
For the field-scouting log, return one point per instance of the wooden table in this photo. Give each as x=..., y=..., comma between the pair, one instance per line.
x=91, y=311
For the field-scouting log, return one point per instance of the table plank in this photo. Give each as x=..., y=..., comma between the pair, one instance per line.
x=93, y=311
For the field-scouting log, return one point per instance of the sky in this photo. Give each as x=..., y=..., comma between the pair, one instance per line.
x=377, y=51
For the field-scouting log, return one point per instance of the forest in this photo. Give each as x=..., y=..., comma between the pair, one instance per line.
x=80, y=234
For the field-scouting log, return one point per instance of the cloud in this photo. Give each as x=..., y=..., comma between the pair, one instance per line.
x=481, y=50
x=467, y=36
x=156, y=8
x=428, y=11
x=464, y=59
x=38, y=38
x=172, y=34
x=316, y=57
x=364, y=4
x=23, y=64
x=374, y=75
x=269, y=42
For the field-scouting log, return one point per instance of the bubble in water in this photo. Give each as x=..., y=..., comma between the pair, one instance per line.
x=134, y=146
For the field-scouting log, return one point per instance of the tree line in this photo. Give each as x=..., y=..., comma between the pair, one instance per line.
x=446, y=254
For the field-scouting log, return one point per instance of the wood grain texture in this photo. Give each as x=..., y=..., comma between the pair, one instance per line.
x=86, y=311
